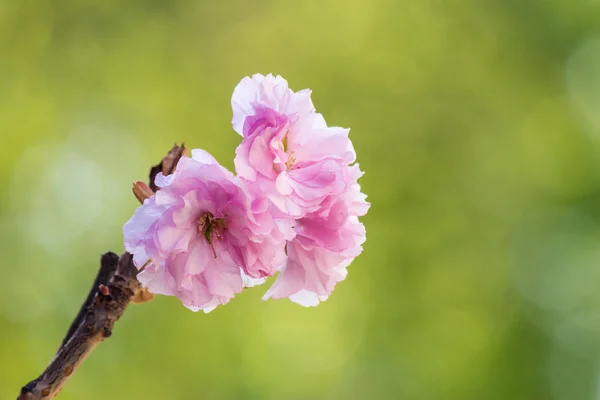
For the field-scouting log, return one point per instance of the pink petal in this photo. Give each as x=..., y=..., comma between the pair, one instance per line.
x=283, y=184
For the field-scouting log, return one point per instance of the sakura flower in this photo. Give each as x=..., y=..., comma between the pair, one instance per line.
x=287, y=152
x=326, y=242
x=197, y=231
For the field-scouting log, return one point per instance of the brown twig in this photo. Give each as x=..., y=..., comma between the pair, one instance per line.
x=108, y=266
x=168, y=164
x=109, y=303
x=115, y=286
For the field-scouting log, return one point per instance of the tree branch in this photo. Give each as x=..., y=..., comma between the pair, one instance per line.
x=108, y=266
x=109, y=303
x=115, y=286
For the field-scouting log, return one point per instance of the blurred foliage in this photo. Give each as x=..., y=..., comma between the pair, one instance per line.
x=477, y=123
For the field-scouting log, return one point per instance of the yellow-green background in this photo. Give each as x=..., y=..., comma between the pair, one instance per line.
x=477, y=123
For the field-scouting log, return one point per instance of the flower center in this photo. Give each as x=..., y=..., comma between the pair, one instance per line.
x=289, y=164
x=210, y=226
x=284, y=142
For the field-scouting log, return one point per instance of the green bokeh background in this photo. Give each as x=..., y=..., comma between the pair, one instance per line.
x=477, y=123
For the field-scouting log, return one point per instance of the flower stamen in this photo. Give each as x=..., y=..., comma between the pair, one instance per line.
x=289, y=164
x=209, y=225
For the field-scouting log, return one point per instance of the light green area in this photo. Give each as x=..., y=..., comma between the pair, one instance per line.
x=477, y=123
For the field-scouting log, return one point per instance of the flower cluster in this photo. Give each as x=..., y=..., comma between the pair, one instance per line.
x=292, y=208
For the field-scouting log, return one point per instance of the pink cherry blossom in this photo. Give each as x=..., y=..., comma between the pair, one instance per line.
x=197, y=231
x=267, y=92
x=326, y=242
x=292, y=209
x=287, y=152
